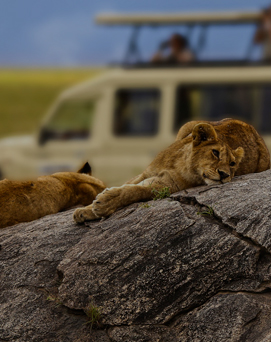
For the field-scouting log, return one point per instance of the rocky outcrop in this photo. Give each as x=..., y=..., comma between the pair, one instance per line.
x=192, y=267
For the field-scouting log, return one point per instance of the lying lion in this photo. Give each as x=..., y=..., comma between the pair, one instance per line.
x=28, y=201
x=203, y=153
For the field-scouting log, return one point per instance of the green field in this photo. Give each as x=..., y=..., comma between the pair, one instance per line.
x=25, y=95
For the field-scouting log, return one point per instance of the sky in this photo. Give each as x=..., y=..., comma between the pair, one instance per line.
x=62, y=33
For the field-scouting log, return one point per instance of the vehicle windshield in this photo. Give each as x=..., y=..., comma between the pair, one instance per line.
x=72, y=120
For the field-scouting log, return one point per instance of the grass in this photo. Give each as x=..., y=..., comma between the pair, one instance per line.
x=54, y=299
x=94, y=315
x=26, y=94
x=208, y=212
x=160, y=194
x=93, y=312
x=145, y=205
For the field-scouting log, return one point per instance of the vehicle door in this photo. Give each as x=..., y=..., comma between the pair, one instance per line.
x=135, y=132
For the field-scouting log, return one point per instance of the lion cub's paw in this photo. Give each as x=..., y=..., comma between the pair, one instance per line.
x=84, y=214
x=107, y=202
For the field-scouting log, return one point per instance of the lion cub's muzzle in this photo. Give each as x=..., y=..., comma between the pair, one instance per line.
x=216, y=176
x=223, y=175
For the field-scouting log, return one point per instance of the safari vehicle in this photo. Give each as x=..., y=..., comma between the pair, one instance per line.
x=123, y=118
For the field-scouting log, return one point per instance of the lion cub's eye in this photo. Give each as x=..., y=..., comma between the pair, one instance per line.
x=216, y=153
x=232, y=163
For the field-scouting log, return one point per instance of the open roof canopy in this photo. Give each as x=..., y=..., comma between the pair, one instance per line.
x=189, y=19
x=181, y=18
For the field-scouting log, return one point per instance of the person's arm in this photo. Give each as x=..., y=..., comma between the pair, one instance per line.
x=260, y=35
x=185, y=56
x=264, y=29
x=157, y=57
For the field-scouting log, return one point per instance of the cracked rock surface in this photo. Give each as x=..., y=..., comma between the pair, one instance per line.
x=157, y=272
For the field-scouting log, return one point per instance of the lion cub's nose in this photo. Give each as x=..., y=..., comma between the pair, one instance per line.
x=223, y=175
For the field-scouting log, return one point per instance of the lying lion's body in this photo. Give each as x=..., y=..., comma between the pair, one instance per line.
x=28, y=201
x=203, y=153
x=238, y=134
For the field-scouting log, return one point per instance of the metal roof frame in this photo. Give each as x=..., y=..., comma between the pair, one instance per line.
x=182, y=18
x=189, y=19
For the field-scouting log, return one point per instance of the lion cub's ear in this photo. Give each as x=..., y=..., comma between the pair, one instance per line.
x=239, y=154
x=86, y=168
x=203, y=132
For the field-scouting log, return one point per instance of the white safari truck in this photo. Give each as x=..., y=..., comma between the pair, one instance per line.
x=123, y=118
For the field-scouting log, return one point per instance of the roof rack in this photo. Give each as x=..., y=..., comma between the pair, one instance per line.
x=189, y=19
x=198, y=64
x=143, y=19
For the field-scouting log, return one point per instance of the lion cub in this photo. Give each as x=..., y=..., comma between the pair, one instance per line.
x=203, y=153
x=28, y=201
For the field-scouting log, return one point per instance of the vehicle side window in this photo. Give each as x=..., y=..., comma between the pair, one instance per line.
x=72, y=120
x=136, y=112
x=183, y=107
x=214, y=102
x=265, y=105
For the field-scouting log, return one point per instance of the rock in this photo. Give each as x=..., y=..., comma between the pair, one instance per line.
x=225, y=317
x=162, y=271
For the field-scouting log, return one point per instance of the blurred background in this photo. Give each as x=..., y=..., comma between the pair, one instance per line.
x=116, y=90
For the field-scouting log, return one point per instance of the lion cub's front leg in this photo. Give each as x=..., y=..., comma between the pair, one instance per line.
x=84, y=214
x=108, y=201
x=105, y=203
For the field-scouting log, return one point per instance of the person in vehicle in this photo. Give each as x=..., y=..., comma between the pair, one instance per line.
x=263, y=33
x=179, y=51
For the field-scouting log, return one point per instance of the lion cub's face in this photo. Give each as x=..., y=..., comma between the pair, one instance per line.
x=214, y=160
